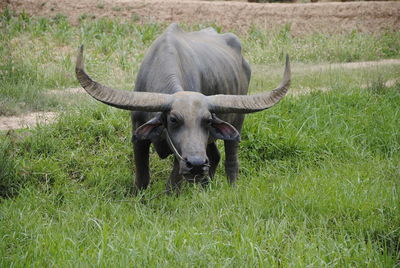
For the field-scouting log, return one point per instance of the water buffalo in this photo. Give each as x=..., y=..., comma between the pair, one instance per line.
x=191, y=89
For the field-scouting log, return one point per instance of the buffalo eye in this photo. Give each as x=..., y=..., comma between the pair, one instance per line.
x=173, y=120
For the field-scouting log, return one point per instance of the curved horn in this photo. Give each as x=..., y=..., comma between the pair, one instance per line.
x=128, y=100
x=251, y=103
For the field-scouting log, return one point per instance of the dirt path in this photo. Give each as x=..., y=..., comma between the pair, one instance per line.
x=332, y=17
x=353, y=65
x=26, y=120
x=298, y=67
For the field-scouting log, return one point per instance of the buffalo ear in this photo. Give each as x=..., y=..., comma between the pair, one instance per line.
x=223, y=130
x=150, y=130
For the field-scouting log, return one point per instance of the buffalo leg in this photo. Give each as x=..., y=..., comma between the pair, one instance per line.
x=231, y=153
x=214, y=157
x=175, y=180
x=141, y=151
x=231, y=160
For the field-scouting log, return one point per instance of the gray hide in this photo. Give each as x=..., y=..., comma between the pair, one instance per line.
x=187, y=94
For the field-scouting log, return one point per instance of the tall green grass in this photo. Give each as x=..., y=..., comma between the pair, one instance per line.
x=269, y=47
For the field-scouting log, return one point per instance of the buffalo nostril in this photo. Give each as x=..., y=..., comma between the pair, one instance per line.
x=188, y=163
x=196, y=164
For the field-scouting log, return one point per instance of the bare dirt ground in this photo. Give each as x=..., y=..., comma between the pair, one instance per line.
x=332, y=17
x=26, y=120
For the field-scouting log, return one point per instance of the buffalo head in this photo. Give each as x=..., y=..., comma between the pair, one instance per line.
x=188, y=126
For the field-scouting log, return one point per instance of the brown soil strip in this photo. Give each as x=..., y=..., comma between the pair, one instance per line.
x=67, y=91
x=306, y=90
x=26, y=120
x=299, y=67
x=354, y=65
x=333, y=17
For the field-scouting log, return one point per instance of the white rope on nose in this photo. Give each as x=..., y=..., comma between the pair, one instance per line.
x=171, y=144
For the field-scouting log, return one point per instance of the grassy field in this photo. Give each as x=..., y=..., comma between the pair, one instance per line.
x=319, y=181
